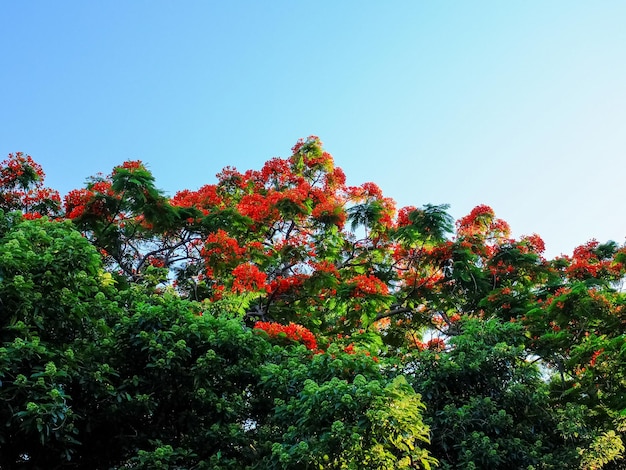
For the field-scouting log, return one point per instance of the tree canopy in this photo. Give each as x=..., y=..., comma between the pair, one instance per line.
x=279, y=318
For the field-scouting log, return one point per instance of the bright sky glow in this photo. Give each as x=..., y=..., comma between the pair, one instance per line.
x=520, y=105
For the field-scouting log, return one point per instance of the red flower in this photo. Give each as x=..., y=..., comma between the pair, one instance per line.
x=76, y=202
x=482, y=221
x=594, y=357
x=368, y=285
x=535, y=242
x=222, y=248
x=293, y=332
x=248, y=278
x=132, y=164
x=205, y=199
x=282, y=285
x=436, y=344
x=402, y=219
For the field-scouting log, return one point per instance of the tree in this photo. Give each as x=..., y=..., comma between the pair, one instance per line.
x=54, y=309
x=294, y=255
x=337, y=410
x=487, y=404
x=21, y=180
x=97, y=377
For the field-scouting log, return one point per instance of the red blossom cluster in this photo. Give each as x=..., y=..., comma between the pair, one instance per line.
x=222, y=249
x=455, y=317
x=309, y=153
x=283, y=285
x=422, y=280
x=369, y=194
x=534, y=243
x=366, y=190
x=586, y=262
x=402, y=218
x=334, y=180
x=80, y=201
x=436, y=344
x=325, y=267
x=260, y=207
x=205, y=199
x=130, y=165
x=292, y=331
x=21, y=188
x=501, y=268
x=368, y=285
x=248, y=278
x=287, y=205
x=482, y=222
x=433, y=344
x=330, y=212
x=350, y=349
x=20, y=170
x=594, y=357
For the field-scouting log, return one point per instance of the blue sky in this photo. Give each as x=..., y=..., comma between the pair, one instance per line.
x=520, y=105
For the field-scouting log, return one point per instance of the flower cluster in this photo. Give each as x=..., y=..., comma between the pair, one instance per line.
x=283, y=285
x=594, y=357
x=433, y=344
x=482, y=222
x=309, y=152
x=330, y=212
x=222, y=249
x=205, y=199
x=77, y=201
x=20, y=170
x=368, y=285
x=325, y=267
x=535, y=243
x=402, y=219
x=334, y=180
x=587, y=263
x=21, y=188
x=259, y=207
x=248, y=278
x=292, y=332
x=131, y=165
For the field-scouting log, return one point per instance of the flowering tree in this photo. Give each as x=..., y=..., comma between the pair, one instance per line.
x=306, y=259
x=21, y=180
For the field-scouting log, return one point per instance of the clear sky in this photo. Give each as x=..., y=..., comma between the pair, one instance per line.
x=520, y=105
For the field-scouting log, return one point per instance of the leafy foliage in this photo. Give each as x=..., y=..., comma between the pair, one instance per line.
x=487, y=404
x=101, y=378
x=337, y=410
